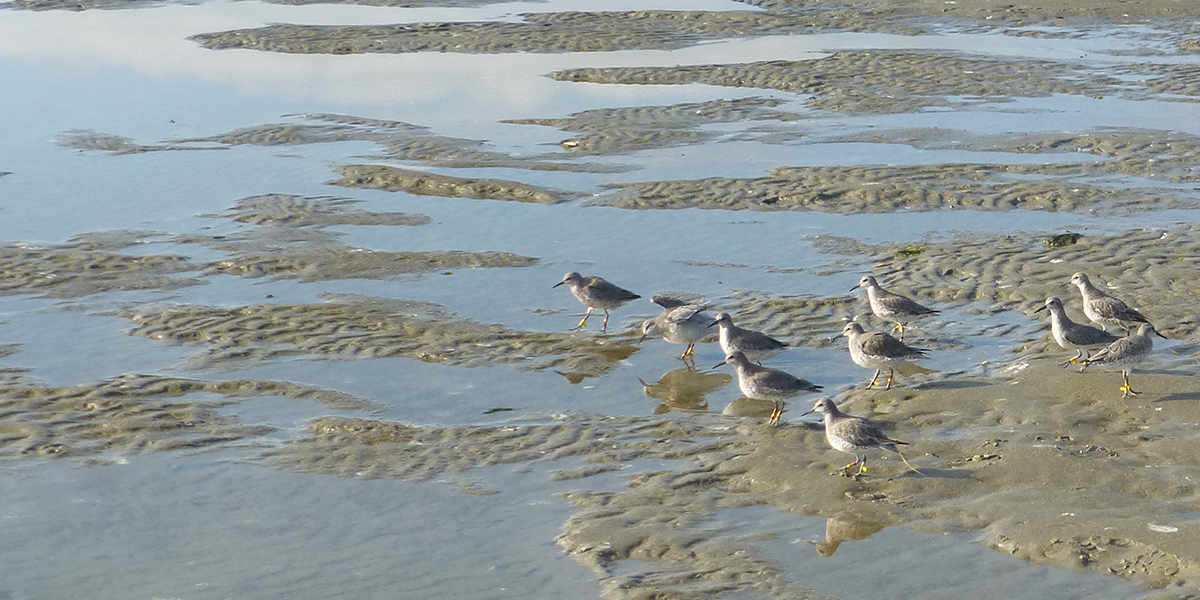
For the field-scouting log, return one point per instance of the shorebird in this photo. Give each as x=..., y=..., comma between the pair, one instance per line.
x=1125, y=353
x=852, y=435
x=679, y=323
x=878, y=350
x=1102, y=309
x=755, y=345
x=596, y=292
x=890, y=305
x=1071, y=335
x=764, y=383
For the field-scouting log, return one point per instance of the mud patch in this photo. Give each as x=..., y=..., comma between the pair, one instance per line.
x=1052, y=465
x=1150, y=269
x=300, y=211
x=625, y=130
x=392, y=179
x=547, y=32
x=77, y=269
x=398, y=141
x=878, y=81
x=1157, y=156
x=363, y=327
x=308, y=255
x=136, y=413
x=887, y=188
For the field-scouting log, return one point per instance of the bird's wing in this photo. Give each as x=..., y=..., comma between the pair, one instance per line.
x=761, y=339
x=667, y=301
x=900, y=303
x=783, y=379
x=1114, y=349
x=682, y=313
x=878, y=343
x=607, y=288
x=1085, y=335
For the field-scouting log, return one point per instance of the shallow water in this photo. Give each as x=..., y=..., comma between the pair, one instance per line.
x=204, y=523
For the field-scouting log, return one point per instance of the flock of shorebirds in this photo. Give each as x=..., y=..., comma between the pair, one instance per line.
x=683, y=322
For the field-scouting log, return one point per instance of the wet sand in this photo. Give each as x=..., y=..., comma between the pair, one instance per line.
x=1045, y=464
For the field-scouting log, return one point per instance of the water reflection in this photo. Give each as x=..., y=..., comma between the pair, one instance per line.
x=684, y=389
x=845, y=528
x=750, y=407
x=575, y=378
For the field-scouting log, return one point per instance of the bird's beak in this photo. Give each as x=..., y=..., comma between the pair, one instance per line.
x=641, y=339
x=1161, y=335
x=713, y=324
x=724, y=362
x=1040, y=309
x=557, y=284
x=809, y=412
x=856, y=287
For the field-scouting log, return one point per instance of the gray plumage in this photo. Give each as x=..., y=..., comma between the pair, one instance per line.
x=878, y=350
x=679, y=323
x=1071, y=335
x=596, y=293
x=891, y=306
x=765, y=383
x=1125, y=353
x=755, y=345
x=854, y=435
x=1102, y=309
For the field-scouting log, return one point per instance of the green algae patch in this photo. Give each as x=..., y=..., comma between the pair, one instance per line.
x=364, y=327
x=137, y=413
x=77, y=269
x=393, y=179
x=1058, y=241
x=301, y=211
x=542, y=32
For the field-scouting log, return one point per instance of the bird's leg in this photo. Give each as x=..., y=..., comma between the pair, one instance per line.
x=604, y=326
x=1126, y=390
x=862, y=465
x=874, y=379
x=776, y=412
x=889, y=383
x=583, y=321
x=900, y=330
x=846, y=469
x=690, y=351
x=1074, y=360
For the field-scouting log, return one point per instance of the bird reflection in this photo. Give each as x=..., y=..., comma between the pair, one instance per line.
x=684, y=389
x=845, y=529
x=575, y=378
